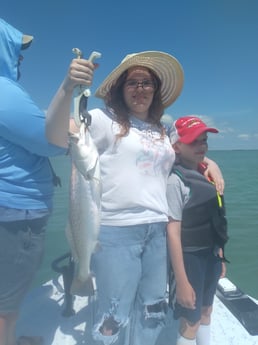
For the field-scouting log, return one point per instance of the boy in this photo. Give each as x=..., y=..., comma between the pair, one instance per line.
x=197, y=232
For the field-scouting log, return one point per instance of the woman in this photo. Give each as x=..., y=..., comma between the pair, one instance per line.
x=136, y=158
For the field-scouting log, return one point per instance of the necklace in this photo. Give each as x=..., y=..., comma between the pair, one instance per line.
x=142, y=125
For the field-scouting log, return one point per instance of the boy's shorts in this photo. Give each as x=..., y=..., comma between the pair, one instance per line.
x=21, y=253
x=203, y=270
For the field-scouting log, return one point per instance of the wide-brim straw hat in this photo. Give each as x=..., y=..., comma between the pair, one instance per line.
x=164, y=65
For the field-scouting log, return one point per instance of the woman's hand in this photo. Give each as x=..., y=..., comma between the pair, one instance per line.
x=80, y=72
x=213, y=171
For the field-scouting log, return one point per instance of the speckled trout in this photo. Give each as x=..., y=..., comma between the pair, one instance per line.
x=84, y=207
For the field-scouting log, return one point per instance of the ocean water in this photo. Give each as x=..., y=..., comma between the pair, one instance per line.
x=240, y=171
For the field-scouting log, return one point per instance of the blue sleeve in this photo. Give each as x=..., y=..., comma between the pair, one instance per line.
x=22, y=122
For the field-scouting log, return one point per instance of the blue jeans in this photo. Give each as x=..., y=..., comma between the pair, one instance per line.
x=130, y=267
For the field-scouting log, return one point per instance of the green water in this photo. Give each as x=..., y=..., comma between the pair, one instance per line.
x=240, y=170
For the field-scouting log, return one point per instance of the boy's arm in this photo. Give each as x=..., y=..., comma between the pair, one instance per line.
x=224, y=267
x=184, y=292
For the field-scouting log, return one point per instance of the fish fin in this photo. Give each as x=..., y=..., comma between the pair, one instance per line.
x=70, y=240
x=85, y=288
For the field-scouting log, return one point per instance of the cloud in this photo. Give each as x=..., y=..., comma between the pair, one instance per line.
x=244, y=136
x=226, y=130
x=248, y=136
x=167, y=119
x=235, y=113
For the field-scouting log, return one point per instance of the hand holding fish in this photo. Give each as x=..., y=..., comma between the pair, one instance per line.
x=80, y=73
x=82, y=94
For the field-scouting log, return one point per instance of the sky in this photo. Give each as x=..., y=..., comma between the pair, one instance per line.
x=216, y=42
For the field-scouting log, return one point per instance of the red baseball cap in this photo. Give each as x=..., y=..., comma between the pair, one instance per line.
x=188, y=128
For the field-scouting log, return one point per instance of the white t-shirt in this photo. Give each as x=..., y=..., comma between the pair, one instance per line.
x=134, y=171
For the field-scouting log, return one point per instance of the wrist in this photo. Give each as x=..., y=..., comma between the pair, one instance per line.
x=68, y=86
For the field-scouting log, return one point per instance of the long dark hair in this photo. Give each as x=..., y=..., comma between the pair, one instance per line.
x=115, y=100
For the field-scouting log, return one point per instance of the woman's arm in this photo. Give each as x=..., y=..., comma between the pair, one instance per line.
x=184, y=292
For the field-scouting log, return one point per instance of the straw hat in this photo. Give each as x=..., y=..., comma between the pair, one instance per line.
x=165, y=66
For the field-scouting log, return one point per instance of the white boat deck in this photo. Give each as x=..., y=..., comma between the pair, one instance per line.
x=41, y=315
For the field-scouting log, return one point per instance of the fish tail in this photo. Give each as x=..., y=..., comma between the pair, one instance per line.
x=85, y=288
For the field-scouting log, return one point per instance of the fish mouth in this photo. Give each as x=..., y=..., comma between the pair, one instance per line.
x=84, y=115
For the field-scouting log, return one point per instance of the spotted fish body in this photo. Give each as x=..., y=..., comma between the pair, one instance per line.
x=84, y=207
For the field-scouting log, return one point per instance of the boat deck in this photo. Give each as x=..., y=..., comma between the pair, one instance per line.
x=41, y=315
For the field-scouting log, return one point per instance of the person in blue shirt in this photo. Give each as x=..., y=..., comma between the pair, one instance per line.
x=26, y=182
